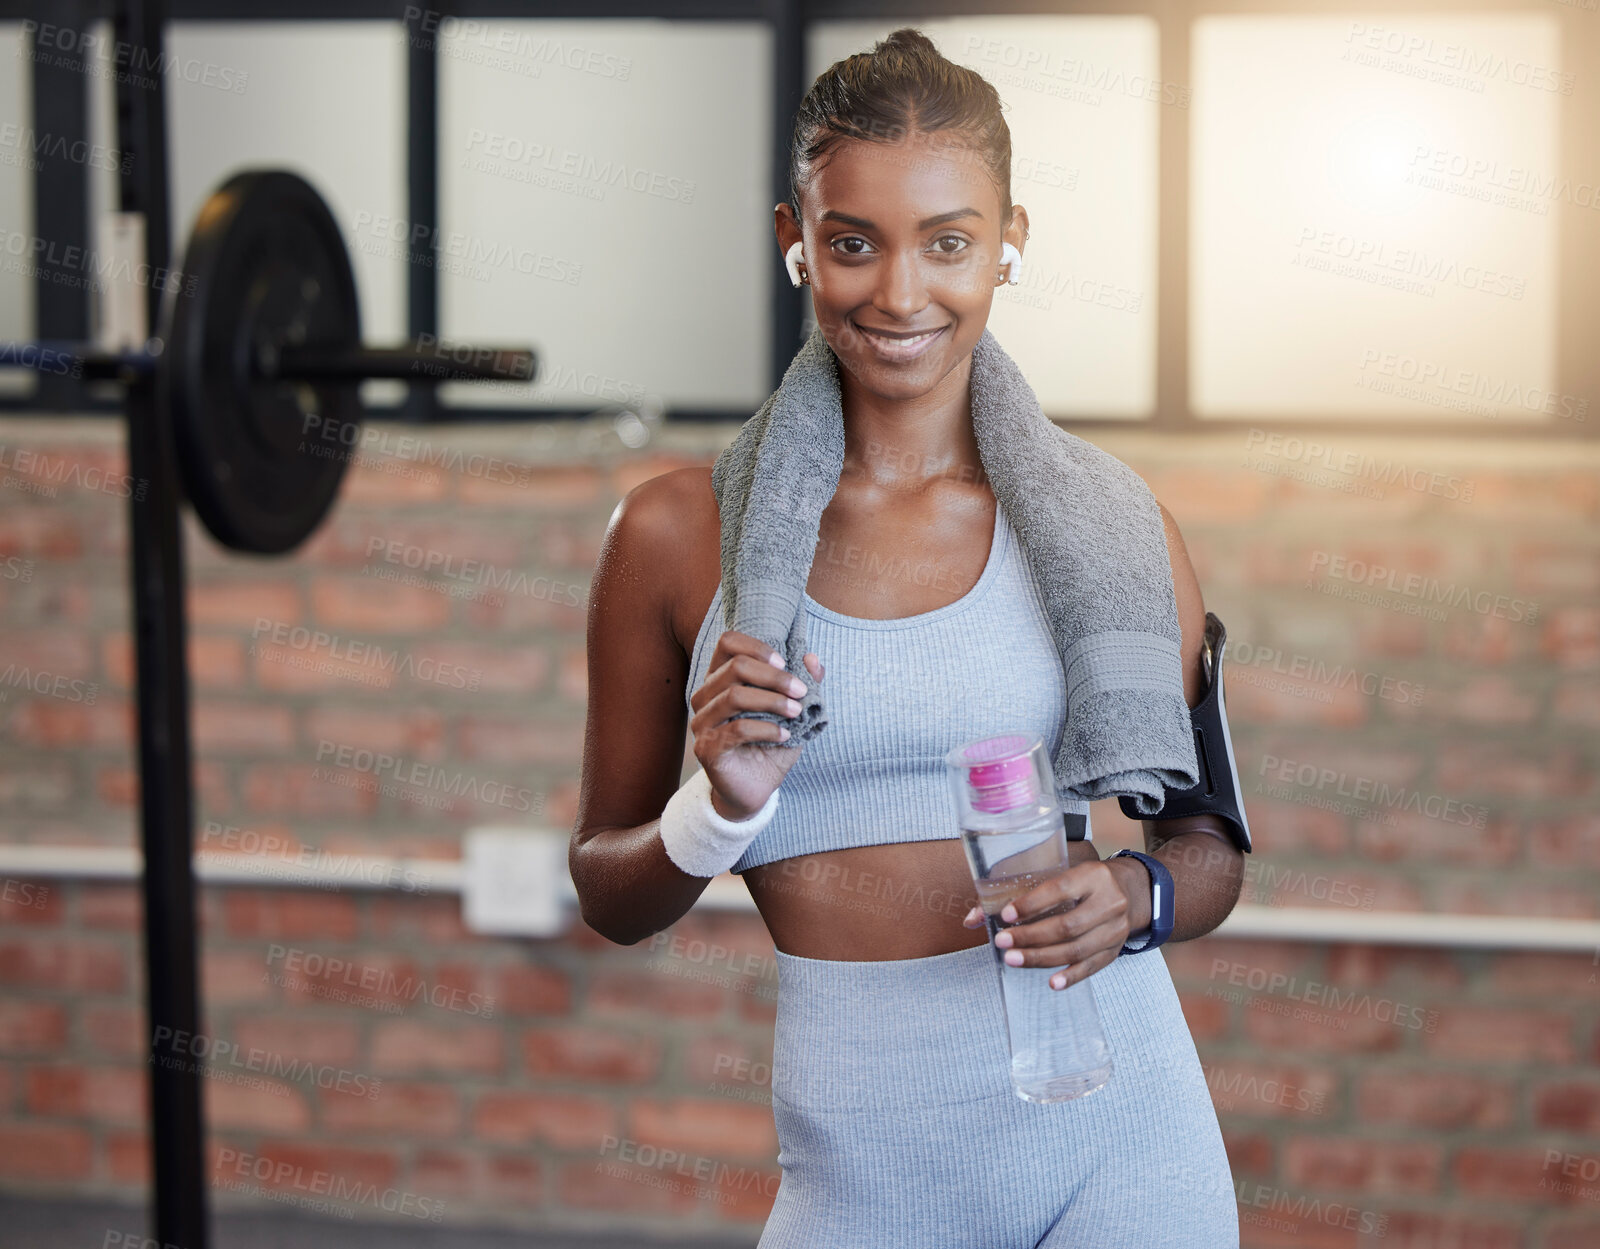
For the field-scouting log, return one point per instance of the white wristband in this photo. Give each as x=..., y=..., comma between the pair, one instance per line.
x=699, y=840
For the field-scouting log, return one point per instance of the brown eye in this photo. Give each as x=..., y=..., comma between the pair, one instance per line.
x=951, y=238
x=851, y=238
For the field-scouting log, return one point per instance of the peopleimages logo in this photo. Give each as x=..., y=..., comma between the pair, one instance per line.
x=48, y=472
x=706, y=1178
x=367, y=663
x=1435, y=382
x=1444, y=55
x=1234, y=1086
x=279, y=1173
x=1329, y=996
x=1264, y=1197
x=62, y=148
x=430, y=784
x=333, y=975
x=1250, y=662
x=1423, y=589
x=1347, y=255
x=510, y=45
x=1355, y=464
x=190, y=1051
x=1365, y=789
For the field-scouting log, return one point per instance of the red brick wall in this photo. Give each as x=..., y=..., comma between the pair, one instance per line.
x=1448, y=1098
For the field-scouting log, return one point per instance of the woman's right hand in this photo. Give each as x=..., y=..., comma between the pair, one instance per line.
x=745, y=674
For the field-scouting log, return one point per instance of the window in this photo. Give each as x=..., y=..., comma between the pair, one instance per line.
x=244, y=95
x=1374, y=217
x=603, y=193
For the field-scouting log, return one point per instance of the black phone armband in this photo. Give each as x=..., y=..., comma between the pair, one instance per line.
x=1217, y=792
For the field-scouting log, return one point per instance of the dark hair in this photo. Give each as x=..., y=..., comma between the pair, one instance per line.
x=903, y=86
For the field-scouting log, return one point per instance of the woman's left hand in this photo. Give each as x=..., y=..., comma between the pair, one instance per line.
x=1111, y=902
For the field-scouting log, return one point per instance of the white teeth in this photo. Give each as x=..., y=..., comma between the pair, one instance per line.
x=904, y=342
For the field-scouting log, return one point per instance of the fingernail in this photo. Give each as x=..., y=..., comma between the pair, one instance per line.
x=1003, y=940
x=797, y=687
x=1009, y=914
x=783, y=734
x=1058, y=982
x=972, y=915
x=1013, y=958
x=775, y=659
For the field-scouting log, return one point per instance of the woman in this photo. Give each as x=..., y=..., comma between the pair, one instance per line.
x=896, y=1118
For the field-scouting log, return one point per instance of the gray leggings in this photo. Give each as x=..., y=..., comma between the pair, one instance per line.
x=897, y=1123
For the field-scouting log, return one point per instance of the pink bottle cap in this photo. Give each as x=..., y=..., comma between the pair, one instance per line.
x=1000, y=773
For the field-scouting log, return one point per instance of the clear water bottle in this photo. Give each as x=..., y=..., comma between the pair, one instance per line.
x=1015, y=836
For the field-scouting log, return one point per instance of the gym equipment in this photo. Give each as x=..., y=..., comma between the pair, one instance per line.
x=260, y=359
x=256, y=358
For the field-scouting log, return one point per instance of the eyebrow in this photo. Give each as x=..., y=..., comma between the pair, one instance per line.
x=926, y=224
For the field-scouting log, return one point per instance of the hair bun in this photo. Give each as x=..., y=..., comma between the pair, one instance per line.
x=904, y=85
x=908, y=38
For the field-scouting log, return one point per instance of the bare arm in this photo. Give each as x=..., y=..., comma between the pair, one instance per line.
x=633, y=743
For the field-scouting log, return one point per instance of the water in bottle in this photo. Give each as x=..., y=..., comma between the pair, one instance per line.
x=1015, y=836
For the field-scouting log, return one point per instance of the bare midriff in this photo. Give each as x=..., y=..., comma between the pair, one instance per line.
x=873, y=903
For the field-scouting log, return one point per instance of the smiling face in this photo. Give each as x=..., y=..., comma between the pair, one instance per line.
x=902, y=249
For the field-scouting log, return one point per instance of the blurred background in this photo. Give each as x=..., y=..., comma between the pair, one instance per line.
x=1324, y=275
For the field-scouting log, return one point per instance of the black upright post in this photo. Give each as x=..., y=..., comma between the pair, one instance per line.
x=788, y=89
x=61, y=194
x=166, y=799
x=422, y=193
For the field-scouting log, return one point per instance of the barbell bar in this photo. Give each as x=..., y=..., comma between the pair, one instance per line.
x=259, y=360
x=62, y=358
x=441, y=362
x=423, y=361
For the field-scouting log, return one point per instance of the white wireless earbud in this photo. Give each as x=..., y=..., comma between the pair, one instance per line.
x=1009, y=255
x=792, y=259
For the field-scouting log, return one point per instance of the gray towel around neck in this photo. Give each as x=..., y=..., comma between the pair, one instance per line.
x=1090, y=527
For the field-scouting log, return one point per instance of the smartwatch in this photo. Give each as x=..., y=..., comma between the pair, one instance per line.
x=1161, y=895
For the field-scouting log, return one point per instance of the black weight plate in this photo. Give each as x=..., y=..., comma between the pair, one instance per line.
x=261, y=460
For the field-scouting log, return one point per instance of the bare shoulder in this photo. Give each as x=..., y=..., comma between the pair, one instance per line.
x=664, y=509
x=636, y=667
x=656, y=542
x=1191, y=605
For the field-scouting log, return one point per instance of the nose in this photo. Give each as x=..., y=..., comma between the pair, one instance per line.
x=901, y=292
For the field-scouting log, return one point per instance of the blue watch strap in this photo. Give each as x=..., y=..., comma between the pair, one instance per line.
x=1161, y=901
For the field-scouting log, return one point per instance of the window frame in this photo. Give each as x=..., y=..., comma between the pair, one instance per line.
x=60, y=190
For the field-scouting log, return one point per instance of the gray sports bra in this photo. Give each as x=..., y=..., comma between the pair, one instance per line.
x=901, y=693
